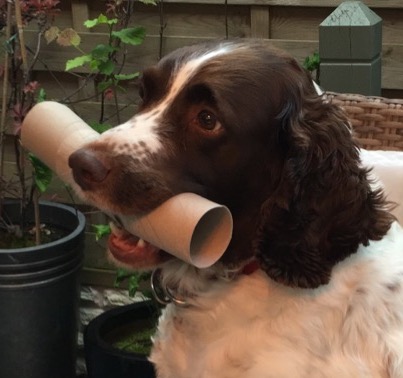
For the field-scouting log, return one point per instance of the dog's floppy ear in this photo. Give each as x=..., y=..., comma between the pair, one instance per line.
x=324, y=206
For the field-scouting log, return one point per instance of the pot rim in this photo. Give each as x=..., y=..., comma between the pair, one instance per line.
x=75, y=232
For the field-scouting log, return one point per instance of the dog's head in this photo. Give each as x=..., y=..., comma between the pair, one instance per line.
x=239, y=123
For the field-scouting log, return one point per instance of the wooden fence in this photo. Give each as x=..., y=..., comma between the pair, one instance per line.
x=291, y=25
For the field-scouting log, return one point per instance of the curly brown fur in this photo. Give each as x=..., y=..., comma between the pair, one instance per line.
x=324, y=206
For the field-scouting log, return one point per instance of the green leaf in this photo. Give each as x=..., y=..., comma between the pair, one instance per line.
x=101, y=19
x=94, y=64
x=133, y=284
x=121, y=275
x=121, y=77
x=133, y=279
x=101, y=52
x=104, y=85
x=42, y=173
x=131, y=36
x=106, y=68
x=101, y=230
x=41, y=95
x=312, y=62
x=100, y=127
x=149, y=2
x=78, y=62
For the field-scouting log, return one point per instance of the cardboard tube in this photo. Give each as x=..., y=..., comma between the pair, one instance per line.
x=187, y=226
x=52, y=132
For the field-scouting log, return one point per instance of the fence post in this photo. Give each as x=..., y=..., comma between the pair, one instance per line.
x=350, y=44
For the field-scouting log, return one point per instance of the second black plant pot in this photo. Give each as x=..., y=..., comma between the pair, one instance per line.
x=106, y=361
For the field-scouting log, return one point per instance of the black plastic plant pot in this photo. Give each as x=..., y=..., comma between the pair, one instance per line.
x=103, y=359
x=39, y=299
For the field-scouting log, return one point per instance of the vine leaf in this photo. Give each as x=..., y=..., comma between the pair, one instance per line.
x=131, y=36
x=101, y=230
x=79, y=61
x=68, y=37
x=51, y=34
x=101, y=19
x=43, y=174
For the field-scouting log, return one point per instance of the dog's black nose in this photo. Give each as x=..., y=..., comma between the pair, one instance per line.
x=88, y=169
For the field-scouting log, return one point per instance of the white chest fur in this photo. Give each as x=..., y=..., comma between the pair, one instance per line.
x=255, y=328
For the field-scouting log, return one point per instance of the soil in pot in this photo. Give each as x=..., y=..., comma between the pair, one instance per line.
x=49, y=233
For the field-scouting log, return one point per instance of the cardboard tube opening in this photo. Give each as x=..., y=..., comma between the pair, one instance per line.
x=211, y=237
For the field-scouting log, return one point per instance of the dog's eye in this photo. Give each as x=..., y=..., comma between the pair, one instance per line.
x=208, y=121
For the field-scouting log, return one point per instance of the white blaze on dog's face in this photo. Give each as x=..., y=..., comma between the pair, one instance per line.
x=139, y=136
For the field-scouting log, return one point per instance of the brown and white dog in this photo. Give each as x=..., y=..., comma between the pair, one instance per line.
x=311, y=284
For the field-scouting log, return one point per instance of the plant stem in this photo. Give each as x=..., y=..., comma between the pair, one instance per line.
x=37, y=217
x=115, y=97
x=4, y=102
x=162, y=28
x=36, y=55
x=18, y=19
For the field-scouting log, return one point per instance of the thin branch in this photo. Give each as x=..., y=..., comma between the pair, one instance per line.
x=18, y=19
x=83, y=85
x=36, y=54
x=4, y=101
x=50, y=72
x=115, y=97
x=121, y=108
x=102, y=113
x=37, y=217
x=162, y=28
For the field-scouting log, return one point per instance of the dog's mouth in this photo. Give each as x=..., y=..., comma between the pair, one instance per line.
x=132, y=251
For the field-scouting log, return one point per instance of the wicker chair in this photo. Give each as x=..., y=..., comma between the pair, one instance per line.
x=377, y=121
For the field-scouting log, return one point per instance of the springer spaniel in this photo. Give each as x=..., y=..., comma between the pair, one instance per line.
x=311, y=284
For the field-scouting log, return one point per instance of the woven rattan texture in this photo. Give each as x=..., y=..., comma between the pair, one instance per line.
x=377, y=121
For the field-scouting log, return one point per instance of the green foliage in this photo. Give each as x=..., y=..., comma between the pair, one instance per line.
x=105, y=68
x=41, y=95
x=101, y=230
x=131, y=36
x=312, y=62
x=133, y=279
x=42, y=173
x=127, y=76
x=149, y=2
x=100, y=127
x=78, y=62
x=101, y=58
x=101, y=19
